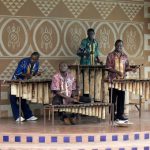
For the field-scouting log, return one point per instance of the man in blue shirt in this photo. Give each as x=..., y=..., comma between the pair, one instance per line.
x=26, y=68
x=89, y=49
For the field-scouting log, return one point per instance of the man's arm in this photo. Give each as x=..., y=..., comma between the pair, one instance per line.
x=128, y=68
x=82, y=49
x=36, y=70
x=97, y=53
x=67, y=99
x=20, y=71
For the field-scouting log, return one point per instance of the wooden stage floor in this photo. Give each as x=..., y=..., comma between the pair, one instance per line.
x=86, y=125
x=89, y=134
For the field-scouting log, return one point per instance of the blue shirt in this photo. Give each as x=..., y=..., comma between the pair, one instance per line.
x=23, y=67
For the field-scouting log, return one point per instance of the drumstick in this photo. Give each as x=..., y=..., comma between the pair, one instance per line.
x=136, y=66
x=45, y=69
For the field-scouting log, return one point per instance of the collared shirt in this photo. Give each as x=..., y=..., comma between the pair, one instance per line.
x=118, y=62
x=89, y=46
x=64, y=85
x=25, y=66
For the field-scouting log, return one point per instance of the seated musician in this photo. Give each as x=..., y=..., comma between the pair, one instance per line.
x=117, y=63
x=89, y=49
x=26, y=68
x=63, y=86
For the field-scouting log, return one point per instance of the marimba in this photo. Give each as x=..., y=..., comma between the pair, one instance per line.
x=136, y=86
x=96, y=109
x=90, y=80
x=35, y=91
x=140, y=87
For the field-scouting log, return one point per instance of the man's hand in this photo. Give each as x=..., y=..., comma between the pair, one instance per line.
x=28, y=76
x=134, y=69
x=86, y=53
x=70, y=100
x=39, y=73
x=120, y=74
x=99, y=61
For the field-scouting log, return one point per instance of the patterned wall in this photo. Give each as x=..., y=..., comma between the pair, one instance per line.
x=147, y=37
x=55, y=28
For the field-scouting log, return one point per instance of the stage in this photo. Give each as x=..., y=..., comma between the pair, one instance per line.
x=89, y=134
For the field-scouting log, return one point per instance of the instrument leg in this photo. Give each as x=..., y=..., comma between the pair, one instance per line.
x=49, y=114
x=19, y=102
x=140, y=106
x=52, y=115
x=112, y=106
x=44, y=111
x=109, y=111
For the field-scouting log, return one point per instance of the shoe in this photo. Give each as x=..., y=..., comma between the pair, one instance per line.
x=21, y=119
x=121, y=122
x=67, y=121
x=33, y=118
x=122, y=118
x=73, y=121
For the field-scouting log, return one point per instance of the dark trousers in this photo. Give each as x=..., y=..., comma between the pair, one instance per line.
x=24, y=106
x=58, y=100
x=118, y=98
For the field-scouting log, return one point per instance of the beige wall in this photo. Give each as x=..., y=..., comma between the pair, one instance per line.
x=55, y=28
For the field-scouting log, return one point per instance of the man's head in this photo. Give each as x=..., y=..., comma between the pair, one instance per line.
x=119, y=45
x=34, y=57
x=63, y=67
x=91, y=34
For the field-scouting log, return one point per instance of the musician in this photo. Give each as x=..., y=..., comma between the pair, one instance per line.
x=89, y=49
x=27, y=67
x=117, y=63
x=64, y=87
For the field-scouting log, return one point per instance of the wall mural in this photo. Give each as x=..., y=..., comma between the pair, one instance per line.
x=18, y=36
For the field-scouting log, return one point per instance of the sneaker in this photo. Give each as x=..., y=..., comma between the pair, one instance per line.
x=33, y=118
x=21, y=119
x=122, y=118
x=121, y=122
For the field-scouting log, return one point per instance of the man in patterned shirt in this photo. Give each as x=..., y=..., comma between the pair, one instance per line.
x=64, y=87
x=117, y=63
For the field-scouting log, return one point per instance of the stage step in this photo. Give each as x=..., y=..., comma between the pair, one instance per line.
x=142, y=145
x=93, y=141
x=48, y=138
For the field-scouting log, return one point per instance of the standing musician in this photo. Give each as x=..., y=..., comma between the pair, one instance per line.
x=64, y=86
x=117, y=63
x=26, y=68
x=89, y=49
x=89, y=54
